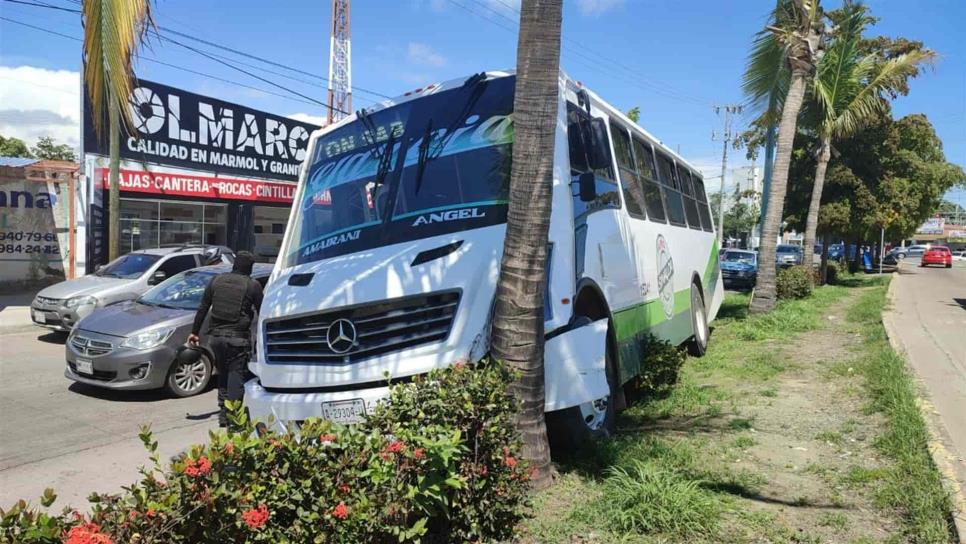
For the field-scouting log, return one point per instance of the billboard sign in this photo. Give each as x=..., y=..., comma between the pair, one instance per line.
x=187, y=130
x=933, y=225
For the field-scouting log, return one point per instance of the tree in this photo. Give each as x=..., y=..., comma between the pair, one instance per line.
x=634, y=114
x=792, y=41
x=740, y=218
x=46, y=149
x=517, y=331
x=14, y=147
x=113, y=30
x=849, y=90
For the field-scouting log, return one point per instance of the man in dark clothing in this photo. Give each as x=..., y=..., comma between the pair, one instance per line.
x=233, y=299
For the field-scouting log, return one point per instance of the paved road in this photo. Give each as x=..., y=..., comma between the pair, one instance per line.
x=929, y=319
x=75, y=438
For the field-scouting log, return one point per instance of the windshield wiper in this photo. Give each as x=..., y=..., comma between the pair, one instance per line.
x=476, y=85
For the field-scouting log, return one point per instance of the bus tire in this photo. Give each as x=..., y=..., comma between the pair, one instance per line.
x=572, y=428
x=699, y=323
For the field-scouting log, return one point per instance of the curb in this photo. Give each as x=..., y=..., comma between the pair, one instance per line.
x=941, y=456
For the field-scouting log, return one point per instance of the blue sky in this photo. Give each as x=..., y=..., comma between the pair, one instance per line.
x=673, y=59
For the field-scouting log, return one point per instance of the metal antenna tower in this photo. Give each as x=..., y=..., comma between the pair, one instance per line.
x=340, y=62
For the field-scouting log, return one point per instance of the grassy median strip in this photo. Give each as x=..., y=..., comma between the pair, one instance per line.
x=913, y=485
x=764, y=440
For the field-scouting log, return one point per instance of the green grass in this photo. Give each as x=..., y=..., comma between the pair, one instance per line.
x=669, y=473
x=913, y=484
x=649, y=499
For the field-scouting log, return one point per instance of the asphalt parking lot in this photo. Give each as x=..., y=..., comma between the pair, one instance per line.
x=76, y=438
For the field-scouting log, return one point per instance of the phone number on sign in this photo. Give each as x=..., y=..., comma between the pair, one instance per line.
x=29, y=249
x=21, y=236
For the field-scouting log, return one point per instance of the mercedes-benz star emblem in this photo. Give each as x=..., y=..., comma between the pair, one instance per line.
x=341, y=336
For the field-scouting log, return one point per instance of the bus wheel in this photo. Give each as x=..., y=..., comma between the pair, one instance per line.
x=699, y=324
x=571, y=428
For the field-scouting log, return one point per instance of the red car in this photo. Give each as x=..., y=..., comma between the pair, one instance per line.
x=937, y=255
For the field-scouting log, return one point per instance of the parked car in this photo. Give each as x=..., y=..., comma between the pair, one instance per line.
x=937, y=255
x=62, y=305
x=788, y=255
x=900, y=253
x=132, y=345
x=959, y=255
x=739, y=268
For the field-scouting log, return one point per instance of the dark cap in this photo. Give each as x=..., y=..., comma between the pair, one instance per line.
x=244, y=261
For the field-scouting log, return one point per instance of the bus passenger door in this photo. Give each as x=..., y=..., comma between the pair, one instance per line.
x=601, y=235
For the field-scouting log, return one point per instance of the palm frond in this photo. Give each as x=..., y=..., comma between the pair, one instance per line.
x=871, y=99
x=113, y=29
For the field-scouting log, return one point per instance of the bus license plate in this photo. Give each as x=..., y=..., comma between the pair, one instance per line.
x=84, y=366
x=344, y=411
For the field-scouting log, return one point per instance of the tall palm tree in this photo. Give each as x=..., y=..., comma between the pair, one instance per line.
x=113, y=31
x=848, y=90
x=793, y=41
x=517, y=331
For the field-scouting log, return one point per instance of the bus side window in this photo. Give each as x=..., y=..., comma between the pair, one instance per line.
x=630, y=184
x=690, y=204
x=672, y=196
x=647, y=174
x=703, y=209
x=580, y=137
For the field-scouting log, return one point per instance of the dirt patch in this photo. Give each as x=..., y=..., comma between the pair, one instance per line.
x=813, y=442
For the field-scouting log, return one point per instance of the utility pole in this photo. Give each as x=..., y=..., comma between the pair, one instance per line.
x=340, y=63
x=729, y=110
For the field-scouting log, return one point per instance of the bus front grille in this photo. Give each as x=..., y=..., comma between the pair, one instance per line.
x=355, y=333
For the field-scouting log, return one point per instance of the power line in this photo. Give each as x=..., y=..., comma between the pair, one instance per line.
x=162, y=63
x=218, y=46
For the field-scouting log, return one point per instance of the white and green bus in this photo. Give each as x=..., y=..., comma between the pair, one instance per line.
x=392, y=252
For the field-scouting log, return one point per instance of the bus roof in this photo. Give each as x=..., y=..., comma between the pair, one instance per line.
x=566, y=80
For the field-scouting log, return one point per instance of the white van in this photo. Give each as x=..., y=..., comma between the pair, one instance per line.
x=392, y=252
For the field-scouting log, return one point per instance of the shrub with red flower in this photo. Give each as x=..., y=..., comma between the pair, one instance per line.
x=328, y=437
x=256, y=518
x=510, y=461
x=341, y=511
x=229, y=448
x=419, y=453
x=345, y=488
x=198, y=467
x=86, y=533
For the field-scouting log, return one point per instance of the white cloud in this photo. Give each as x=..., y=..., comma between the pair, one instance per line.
x=309, y=118
x=597, y=7
x=421, y=53
x=37, y=102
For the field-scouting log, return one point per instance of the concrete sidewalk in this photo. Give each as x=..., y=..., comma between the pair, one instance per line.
x=15, y=312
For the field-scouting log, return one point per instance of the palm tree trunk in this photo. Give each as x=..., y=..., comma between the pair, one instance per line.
x=517, y=329
x=764, y=297
x=811, y=223
x=114, y=197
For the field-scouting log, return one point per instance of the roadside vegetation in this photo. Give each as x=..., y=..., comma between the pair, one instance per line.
x=797, y=426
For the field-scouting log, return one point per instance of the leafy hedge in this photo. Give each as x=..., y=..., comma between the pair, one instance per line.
x=437, y=462
x=795, y=282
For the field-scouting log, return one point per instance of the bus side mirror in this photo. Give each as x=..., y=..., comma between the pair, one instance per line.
x=599, y=152
x=587, y=184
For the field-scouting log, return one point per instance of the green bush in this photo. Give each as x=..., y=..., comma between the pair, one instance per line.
x=659, y=368
x=831, y=273
x=795, y=282
x=437, y=462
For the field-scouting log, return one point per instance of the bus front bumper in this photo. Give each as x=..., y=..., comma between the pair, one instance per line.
x=279, y=409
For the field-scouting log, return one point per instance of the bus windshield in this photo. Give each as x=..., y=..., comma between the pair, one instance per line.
x=436, y=164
